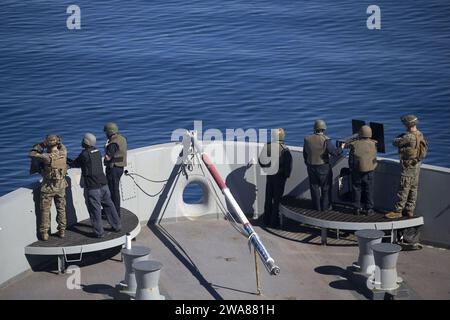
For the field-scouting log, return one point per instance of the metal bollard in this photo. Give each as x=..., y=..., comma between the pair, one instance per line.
x=128, y=241
x=130, y=256
x=386, y=255
x=367, y=238
x=147, y=278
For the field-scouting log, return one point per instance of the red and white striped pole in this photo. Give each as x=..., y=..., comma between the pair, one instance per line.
x=267, y=260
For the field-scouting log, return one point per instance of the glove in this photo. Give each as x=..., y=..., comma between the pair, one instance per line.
x=38, y=148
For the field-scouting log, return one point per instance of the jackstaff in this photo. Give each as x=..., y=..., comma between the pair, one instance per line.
x=253, y=237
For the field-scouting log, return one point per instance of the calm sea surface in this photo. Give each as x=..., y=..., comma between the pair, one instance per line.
x=154, y=66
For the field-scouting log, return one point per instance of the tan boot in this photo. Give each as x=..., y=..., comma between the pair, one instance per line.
x=410, y=214
x=44, y=236
x=393, y=215
x=61, y=233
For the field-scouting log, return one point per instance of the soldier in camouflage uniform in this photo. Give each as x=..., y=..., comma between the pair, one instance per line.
x=412, y=148
x=53, y=168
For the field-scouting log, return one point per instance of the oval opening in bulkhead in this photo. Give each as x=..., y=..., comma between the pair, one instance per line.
x=193, y=193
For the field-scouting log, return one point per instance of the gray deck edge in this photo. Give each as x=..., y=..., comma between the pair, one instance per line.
x=342, y=225
x=98, y=246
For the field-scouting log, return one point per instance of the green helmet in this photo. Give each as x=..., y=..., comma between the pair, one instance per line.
x=409, y=120
x=111, y=128
x=89, y=140
x=278, y=134
x=320, y=125
x=365, y=132
x=52, y=140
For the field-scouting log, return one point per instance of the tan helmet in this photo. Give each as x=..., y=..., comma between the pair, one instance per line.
x=278, y=134
x=365, y=132
x=52, y=140
x=409, y=120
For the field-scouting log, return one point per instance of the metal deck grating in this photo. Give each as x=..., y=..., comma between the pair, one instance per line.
x=82, y=233
x=340, y=213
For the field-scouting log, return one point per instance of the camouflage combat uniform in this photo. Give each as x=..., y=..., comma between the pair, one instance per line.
x=53, y=170
x=410, y=171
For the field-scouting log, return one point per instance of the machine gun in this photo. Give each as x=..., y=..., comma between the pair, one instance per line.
x=377, y=134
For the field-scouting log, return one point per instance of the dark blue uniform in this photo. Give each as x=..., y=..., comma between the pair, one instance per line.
x=96, y=191
x=275, y=187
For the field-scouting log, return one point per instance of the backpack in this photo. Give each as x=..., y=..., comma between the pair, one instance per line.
x=409, y=235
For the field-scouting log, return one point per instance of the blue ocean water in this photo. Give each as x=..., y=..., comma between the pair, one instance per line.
x=154, y=66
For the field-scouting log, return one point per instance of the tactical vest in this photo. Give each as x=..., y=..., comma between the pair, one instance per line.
x=315, y=147
x=57, y=169
x=415, y=151
x=364, y=155
x=94, y=167
x=93, y=175
x=120, y=158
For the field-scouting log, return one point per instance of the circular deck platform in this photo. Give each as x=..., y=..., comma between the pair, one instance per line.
x=80, y=238
x=341, y=218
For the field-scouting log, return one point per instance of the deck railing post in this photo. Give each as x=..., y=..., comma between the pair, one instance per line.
x=323, y=235
x=61, y=264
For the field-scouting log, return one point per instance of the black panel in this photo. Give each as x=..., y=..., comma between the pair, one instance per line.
x=378, y=134
x=356, y=125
